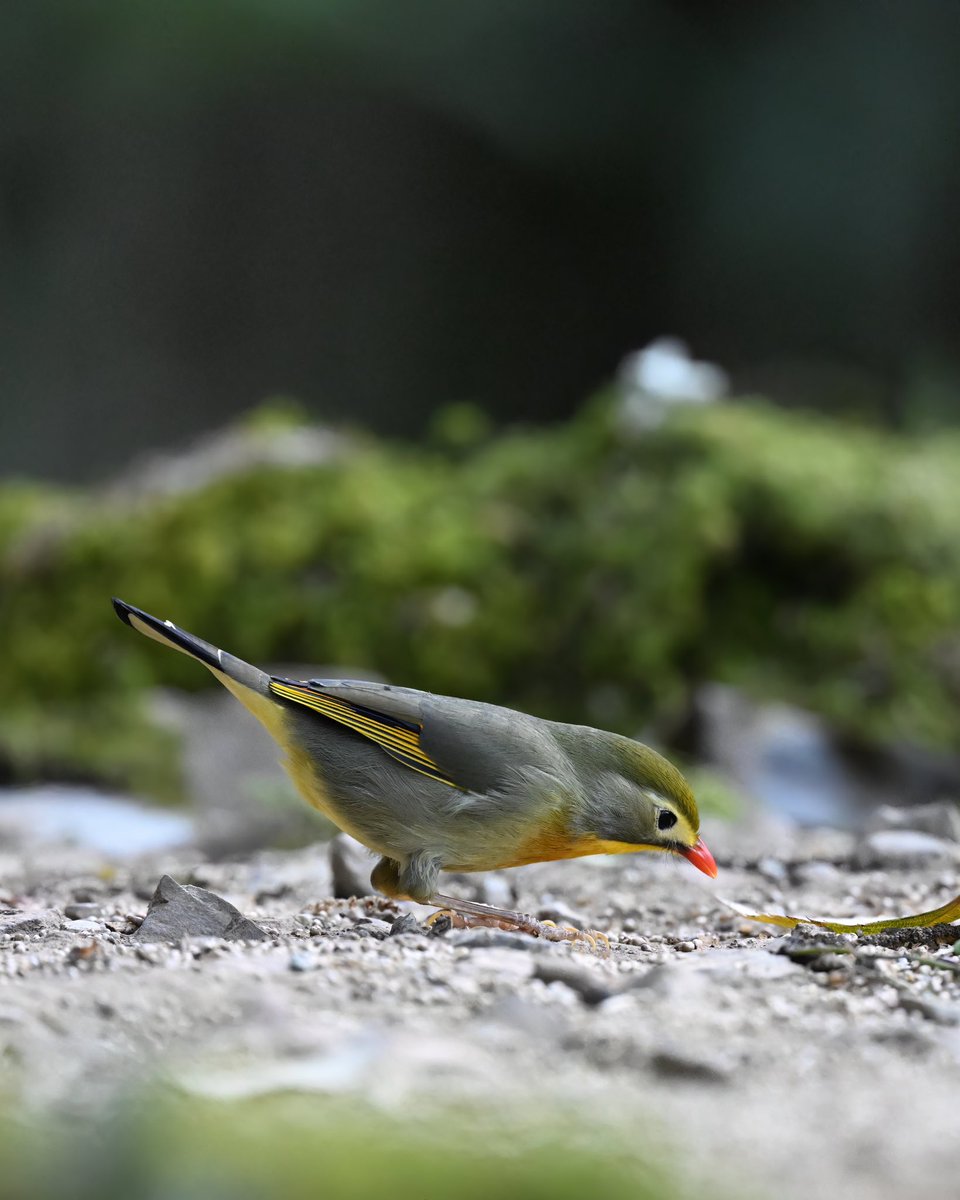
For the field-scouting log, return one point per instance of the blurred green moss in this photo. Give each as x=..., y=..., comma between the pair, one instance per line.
x=795, y=557
x=300, y=1146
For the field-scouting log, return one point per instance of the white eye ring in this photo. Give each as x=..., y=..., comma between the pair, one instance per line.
x=666, y=819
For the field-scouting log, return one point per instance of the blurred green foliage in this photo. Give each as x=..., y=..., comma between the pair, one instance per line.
x=585, y=572
x=291, y=1147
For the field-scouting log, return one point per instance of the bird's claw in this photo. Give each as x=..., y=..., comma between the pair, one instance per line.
x=445, y=918
x=467, y=914
x=598, y=942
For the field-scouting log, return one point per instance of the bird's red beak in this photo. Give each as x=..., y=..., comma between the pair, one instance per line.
x=701, y=858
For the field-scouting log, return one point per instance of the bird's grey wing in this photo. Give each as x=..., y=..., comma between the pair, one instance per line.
x=491, y=749
x=394, y=728
x=468, y=745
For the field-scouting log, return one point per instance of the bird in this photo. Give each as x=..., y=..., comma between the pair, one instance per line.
x=434, y=783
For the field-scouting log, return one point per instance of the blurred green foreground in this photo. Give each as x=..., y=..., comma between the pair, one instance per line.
x=589, y=572
x=291, y=1147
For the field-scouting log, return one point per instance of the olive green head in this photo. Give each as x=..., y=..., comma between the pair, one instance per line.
x=637, y=800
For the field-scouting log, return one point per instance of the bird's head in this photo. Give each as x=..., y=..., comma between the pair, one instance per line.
x=640, y=801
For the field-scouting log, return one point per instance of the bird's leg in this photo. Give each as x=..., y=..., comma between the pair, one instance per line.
x=417, y=878
x=385, y=879
x=473, y=913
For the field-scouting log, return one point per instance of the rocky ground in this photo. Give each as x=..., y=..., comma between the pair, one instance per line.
x=771, y=1063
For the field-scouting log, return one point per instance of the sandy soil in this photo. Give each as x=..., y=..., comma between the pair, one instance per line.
x=831, y=1072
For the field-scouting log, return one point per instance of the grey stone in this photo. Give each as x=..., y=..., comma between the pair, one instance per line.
x=552, y=909
x=20, y=924
x=481, y=938
x=904, y=847
x=503, y=964
x=373, y=927
x=937, y=1011
x=772, y=869
x=520, y=1014
x=940, y=819
x=819, y=949
x=591, y=986
x=82, y=912
x=496, y=890
x=148, y=955
x=177, y=912
x=350, y=864
x=679, y=1064
x=739, y=962
x=822, y=873
x=405, y=923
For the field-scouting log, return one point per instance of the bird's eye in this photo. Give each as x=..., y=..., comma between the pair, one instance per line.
x=666, y=819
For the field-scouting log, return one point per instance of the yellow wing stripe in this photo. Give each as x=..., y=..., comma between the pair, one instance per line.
x=431, y=772
x=400, y=743
x=402, y=740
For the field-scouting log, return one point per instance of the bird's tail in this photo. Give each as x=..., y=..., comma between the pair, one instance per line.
x=248, y=683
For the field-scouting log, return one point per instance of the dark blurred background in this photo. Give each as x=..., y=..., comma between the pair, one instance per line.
x=382, y=208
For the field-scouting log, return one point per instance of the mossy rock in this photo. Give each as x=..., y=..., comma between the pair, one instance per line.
x=583, y=571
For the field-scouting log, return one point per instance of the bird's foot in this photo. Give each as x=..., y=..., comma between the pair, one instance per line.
x=598, y=942
x=468, y=914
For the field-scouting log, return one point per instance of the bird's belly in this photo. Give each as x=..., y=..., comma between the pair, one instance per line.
x=318, y=794
x=543, y=846
x=394, y=815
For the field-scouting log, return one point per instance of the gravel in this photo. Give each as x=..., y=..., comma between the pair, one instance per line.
x=746, y=1050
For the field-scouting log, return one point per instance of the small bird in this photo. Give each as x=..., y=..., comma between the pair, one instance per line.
x=434, y=783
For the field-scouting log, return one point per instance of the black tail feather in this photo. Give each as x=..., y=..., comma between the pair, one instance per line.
x=166, y=631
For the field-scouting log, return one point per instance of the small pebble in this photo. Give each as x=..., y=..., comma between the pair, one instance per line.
x=677, y=1064
x=560, y=914
x=591, y=986
x=772, y=869
x=374, y=927
x=482, y=938
x=497, y=890
x=81, y=912
x=931, y=1010
x=405, y=923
